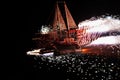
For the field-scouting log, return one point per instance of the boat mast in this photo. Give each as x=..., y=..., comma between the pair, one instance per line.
x=59, y=22
x=70, y=21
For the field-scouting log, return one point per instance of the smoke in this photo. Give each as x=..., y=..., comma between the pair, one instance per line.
x=108, y=40
x=45, y=30
x=101, y=26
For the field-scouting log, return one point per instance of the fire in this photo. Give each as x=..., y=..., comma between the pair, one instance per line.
x=84, y=50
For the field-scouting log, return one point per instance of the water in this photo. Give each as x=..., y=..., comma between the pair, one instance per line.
x=77, y=66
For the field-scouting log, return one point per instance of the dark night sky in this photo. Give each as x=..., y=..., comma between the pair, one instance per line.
x=80, y=10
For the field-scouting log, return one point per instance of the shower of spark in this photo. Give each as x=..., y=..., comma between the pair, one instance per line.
x=107, y=40
x=45, y=30
x=101, y=24
x=94, y=28
x=84, y=39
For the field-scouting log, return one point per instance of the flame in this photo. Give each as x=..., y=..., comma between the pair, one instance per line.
x=84, y=50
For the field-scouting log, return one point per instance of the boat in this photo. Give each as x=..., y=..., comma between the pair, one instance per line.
x=63, y=28
x=62, y=33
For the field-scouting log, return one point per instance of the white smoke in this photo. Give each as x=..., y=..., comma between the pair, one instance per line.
x=101, y=24
x=106, y=40
x=45, y=30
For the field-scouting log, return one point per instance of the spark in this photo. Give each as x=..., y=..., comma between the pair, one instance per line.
x=45, y=30
x=107, y=40
x=101, y=24
x=94, y=29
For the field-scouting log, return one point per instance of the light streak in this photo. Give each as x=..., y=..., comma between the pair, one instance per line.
x=94, y=28
x=108, y=40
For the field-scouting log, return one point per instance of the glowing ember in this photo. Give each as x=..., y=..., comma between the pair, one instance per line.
x=85, y=50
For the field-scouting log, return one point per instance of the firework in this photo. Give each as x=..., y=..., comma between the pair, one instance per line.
x=45, y=30
x=95, y=28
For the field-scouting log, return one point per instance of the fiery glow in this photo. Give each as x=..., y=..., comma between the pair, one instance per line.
x=84, y=50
